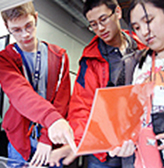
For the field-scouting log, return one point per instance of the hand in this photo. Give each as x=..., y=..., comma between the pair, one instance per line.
x=161, y=138
x=41, y=155
x=126, y=150
x=69, y=158
x=61, y=133
x=62, y=152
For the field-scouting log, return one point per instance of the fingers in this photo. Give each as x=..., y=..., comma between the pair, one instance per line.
x=41, y=156
x=65, y=152
x=71, y=142
x=161, y=138
x=32, y=162
x=161, y=147
x=69, y=159
x=58, y=139
x=61, y=133
x=38, y=160
x=57, y=154
x=126, y=150
x=47, y=158
x=114, y=152
x=53, y=162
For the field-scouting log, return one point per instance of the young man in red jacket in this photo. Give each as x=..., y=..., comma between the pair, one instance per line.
x=107, y=61
x=35, y=76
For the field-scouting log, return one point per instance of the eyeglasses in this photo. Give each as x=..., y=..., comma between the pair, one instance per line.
x=102, y=20
x=29, y=27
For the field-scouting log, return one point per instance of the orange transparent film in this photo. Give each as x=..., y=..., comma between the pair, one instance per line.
x=115, y=117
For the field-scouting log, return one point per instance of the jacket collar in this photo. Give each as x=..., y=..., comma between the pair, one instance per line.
x=107, y=49
x=92, y=50
x=14, y=54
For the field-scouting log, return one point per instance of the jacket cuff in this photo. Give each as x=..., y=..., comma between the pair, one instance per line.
x=51, y=118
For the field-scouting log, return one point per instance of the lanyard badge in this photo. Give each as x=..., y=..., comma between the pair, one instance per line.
x=34, y=80
x=35, y=128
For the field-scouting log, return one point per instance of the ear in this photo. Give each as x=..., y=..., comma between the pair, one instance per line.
x=118, y=12
x=36, y=18
x=6, y=25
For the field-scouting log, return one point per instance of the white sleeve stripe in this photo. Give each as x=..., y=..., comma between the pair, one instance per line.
x=61, y=73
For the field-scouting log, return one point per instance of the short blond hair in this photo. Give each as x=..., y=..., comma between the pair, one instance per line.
x=18, y=11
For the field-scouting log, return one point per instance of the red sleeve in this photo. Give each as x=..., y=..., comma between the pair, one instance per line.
x=81, y=100
x=61, y=100
x=22, y=96
x=44, y=137
x=62, y=97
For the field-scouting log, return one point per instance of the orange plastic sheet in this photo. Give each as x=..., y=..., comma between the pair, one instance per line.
x=115, y=117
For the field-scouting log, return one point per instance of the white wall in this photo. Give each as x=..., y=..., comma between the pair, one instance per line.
x=56, y=26
x=55, y=36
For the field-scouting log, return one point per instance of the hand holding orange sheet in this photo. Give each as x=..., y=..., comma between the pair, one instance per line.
x=115, y=117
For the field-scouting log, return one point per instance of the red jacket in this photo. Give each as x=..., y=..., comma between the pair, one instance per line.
x=25, y=104
x=93, y=73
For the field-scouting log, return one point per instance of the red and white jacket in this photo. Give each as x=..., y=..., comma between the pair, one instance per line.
x=93, y=73
x=25, y=104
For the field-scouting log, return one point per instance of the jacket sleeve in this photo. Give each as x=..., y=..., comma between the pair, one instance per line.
x=44, y=137
x=81, y=100
x=62, y=96
x=22, y=96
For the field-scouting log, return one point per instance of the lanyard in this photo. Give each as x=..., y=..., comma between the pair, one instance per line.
x=152, y=78
x=35, y=127
x=35, y=79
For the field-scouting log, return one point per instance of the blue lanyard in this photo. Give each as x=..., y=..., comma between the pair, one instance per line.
x=35, y=131
x=33, y=80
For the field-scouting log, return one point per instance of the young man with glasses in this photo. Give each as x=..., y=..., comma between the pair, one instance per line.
x=35, y=76
x=107, y=61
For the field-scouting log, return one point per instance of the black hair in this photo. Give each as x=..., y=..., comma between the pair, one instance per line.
x=155, y=3
x=90, y=4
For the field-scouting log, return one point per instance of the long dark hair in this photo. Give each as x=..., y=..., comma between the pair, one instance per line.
x=155, y=3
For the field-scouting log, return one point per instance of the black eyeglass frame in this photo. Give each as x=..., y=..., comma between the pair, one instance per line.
x=100, y=22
